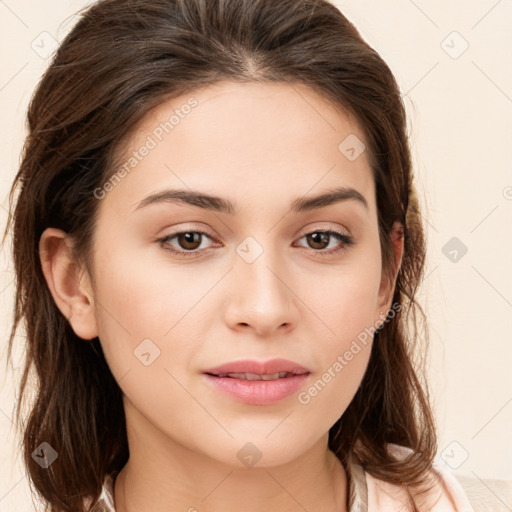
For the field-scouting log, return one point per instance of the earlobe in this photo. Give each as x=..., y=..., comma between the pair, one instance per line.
x=69, y=285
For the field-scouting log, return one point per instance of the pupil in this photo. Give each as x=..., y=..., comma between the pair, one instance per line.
x=320, y=238
x=189, y=239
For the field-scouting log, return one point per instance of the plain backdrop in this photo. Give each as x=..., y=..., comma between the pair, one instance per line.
x=452, y=61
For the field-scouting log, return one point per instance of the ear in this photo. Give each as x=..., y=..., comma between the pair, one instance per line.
x=69, y=285
x=388, y=281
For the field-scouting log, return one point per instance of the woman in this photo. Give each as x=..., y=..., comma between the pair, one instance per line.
x=217, y=248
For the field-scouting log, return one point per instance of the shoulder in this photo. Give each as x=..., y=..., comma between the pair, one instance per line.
x=445, y=493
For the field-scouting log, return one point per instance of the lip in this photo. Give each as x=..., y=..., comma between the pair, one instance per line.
x=261, y=368
x=258, y=392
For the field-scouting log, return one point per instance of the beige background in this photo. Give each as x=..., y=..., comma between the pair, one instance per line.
x=460, y=108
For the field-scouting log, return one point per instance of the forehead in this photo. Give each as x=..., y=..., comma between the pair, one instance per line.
x=244, y=138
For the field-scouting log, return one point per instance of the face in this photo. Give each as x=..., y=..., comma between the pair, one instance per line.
x=180, y=288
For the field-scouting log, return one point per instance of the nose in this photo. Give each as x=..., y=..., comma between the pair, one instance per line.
x=261, y=295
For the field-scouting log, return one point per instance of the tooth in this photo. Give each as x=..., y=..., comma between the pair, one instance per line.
x=253, y=376
x=274, y=376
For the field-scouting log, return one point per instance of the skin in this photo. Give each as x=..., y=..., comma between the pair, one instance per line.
x=261, y=147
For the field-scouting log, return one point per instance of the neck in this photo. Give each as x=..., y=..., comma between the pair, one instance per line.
x=164, y=476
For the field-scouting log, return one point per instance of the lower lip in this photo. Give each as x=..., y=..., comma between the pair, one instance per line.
x=258, y=392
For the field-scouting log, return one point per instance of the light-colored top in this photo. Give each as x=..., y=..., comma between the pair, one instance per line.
x=369, y=494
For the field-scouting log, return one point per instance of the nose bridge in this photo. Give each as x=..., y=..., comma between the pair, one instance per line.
x=262, y=296
x=258, y=265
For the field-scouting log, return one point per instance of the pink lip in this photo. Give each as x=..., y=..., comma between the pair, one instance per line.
x=258, y=392
x=261, y=368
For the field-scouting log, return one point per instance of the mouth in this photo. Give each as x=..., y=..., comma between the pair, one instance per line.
x=257, y=376
x=256, y=382
x=250, y=369
x=261, y=390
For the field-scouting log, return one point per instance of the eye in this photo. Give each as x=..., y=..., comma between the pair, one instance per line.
x=189, y=242
x=320, y=238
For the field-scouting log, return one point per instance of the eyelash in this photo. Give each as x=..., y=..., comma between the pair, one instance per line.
x=346, y=239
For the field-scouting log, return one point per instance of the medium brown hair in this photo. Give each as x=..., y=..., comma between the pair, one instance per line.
x=123, y=58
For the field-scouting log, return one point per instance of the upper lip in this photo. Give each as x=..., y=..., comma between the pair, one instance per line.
x=269, y=367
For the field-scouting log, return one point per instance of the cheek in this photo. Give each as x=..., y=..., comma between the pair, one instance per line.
x=149, y=316
x=344, y=299
x=139, y=297
x=130, y=310
x=344, y=308
x=142, y=329
x=343, y=358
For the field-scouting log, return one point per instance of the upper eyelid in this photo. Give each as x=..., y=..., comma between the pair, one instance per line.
x=301, y=234
x=304, y=231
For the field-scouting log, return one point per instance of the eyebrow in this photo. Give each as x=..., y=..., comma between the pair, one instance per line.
x=219, y=204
